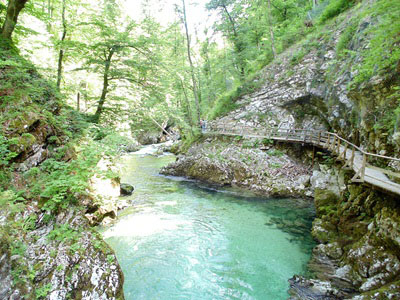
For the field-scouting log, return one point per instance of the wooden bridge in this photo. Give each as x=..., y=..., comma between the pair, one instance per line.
x=354, y=158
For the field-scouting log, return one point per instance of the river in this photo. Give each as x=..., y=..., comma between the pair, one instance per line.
x=185, y=240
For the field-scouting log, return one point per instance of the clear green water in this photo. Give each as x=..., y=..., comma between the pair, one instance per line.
x=183, y=240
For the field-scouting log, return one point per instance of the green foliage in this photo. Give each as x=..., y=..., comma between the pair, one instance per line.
x=23, y=82
x=12, y=201
x=6, y=155
x=274, y=165
x=275, y=152
x=226, y=102
x=383, y=54
x=43, y=291
x=64, y=233
x=334, y=8
x=30, y=222
x=298, y=56
x=18, y=248
x=328, y=160
x=346, y=37
x=60, y=268
x=267, y=142
x=248, y=144
x=61, y=181
x=110, y=258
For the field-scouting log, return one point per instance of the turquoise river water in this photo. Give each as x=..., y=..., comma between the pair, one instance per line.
x=186, y=240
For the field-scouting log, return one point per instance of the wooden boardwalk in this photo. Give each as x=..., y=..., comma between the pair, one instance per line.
x=354, y=158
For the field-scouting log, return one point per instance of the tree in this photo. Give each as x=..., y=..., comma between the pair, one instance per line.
x=271, y=31
x=189, y=55
x=230, y=27
x=61, y=51
x=13, y=10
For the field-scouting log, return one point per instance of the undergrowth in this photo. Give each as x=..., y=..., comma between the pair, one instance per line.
x=383, y=53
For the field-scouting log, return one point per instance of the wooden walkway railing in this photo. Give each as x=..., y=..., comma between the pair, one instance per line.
x=354, y=157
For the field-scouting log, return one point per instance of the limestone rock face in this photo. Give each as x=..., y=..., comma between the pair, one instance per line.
x=60, y=258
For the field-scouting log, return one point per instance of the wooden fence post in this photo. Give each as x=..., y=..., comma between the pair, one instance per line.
x=332, y=146
x=329, y=142
x=360, y=175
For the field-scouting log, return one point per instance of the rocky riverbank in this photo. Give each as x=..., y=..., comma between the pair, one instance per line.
x=251, y=164
x=358, y=252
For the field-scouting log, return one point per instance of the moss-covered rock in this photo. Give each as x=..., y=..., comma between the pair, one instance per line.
x=241, y=163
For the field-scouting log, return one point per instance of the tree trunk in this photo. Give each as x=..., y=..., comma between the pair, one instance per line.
x=61, y=53
x=13, y=10
x=188, y=108
x=196, y=96
x=236, y=42
x=100, y=105
x=78, y=101
x=271, y=32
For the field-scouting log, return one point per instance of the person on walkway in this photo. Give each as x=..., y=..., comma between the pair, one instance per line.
x=204, y=128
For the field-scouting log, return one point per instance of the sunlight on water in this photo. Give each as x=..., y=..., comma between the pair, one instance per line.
x=187, y=241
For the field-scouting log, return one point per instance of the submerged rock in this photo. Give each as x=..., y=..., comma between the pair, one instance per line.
x=126, y=189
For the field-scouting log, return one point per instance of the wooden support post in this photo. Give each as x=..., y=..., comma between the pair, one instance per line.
x=332, y=145
x=350, y=163
x=287, y=134
x=343, y=154
x=353, y=154
x=313, y=157
x=328, y=144
x=359, y=176
x=364, y=165
x=338, y=146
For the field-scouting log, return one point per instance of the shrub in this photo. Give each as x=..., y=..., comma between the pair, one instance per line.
x=383, y=53
x=346, y=38
x=226, y=102
x=334, y=8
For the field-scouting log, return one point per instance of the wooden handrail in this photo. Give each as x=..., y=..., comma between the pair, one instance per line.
x=289, y=131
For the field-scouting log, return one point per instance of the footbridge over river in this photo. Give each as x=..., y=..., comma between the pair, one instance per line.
x=361, y=162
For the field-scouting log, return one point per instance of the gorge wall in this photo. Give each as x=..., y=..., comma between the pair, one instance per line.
x=316, y=85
